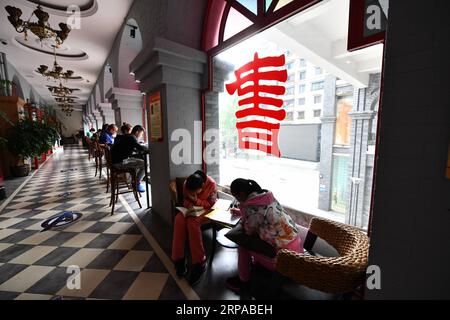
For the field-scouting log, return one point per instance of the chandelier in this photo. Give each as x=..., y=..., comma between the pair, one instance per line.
x=66, y=100
x=67, y=109
x=61, y=91
x=56, y=73
x=41, y=28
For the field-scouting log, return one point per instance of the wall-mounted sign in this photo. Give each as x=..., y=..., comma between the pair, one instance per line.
x=368, y=23
x=155, y=114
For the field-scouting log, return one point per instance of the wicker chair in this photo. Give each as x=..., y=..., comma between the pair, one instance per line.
x=342, y=274
x=176, y=194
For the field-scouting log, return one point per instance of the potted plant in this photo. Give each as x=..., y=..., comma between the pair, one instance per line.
x=29, y=139
x=6, y=87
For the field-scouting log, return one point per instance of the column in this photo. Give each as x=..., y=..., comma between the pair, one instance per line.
x=326, y=143
x=127, y=105
x=361, y=168
x=107, y=113
x=178, y=73
x=220, y=74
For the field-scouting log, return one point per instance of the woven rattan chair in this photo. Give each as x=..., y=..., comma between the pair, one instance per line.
x=342, y=274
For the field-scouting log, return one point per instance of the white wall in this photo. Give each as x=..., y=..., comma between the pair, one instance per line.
x=72, y=124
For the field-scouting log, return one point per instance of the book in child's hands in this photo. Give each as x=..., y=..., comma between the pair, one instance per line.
x=191, y=212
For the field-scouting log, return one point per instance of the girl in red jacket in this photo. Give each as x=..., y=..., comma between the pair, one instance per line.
x=199, y=190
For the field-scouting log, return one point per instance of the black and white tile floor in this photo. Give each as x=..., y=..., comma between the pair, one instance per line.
x=117, y=256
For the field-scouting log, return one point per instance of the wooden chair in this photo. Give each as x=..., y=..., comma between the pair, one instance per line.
x=177, y=197
x=90, y=145
x=98, y=156
x=117, y=179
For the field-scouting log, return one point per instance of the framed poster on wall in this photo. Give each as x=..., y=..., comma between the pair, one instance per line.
x=155, y=115
x=367, y=24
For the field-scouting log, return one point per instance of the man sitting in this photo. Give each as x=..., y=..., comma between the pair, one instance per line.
x=124, y=148
x=108, y=136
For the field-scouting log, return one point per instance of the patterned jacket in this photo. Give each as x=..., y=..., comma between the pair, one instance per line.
x=262, y=214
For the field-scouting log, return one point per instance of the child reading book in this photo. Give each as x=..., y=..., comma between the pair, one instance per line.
x=199, y=191
x=265, y=221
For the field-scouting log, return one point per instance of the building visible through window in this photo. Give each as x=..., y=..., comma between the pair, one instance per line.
x=317, y=99
x=301, y=115
x=315, y=86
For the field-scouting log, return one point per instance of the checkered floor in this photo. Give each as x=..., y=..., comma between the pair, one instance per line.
x=115, y=259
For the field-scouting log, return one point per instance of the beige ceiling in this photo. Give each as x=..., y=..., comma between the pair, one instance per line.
x=84, y=52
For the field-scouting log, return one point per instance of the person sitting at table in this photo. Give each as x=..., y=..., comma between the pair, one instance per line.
x=198, y=190
x=124, y=148
x=108, y=136
x=90, y=133
x=125, y=129
x=264, y=223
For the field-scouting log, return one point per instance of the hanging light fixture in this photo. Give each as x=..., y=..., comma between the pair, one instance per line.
x=67, y=109
x=61, y=91
x=57, y=71
x=41, y=28
x=66, y=100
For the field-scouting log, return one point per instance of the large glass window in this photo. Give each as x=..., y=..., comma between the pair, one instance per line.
x=315, y=170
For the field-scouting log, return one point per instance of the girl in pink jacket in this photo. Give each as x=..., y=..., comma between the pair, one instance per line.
x=262, y=217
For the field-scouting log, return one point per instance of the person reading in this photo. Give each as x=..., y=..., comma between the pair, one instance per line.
x=199, y=190
x=124, y=148
x=108, y=136
x=264, y=229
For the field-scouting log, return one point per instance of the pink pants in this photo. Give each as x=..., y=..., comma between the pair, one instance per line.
x=247, y=257
x=191, y=226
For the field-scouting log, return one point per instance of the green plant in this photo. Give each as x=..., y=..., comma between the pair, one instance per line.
x=6, y=85
x=29, y=138
x=3, y=116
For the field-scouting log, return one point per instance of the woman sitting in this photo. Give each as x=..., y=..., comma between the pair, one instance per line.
x=263, y=218
x=199, y=190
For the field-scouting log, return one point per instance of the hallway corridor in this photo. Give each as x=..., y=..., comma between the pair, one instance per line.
x=113, y=252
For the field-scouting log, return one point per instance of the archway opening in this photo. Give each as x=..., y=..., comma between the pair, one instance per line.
x=130, y=46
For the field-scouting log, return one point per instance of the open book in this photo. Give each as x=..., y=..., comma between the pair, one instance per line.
x=192, y=212
x=221, y=213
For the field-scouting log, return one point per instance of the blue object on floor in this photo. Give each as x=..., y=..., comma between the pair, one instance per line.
x=141, y=188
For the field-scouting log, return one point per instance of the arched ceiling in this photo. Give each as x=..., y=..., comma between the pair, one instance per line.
x=84, y=51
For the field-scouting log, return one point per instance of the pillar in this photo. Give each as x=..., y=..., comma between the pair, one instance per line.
x=127, y=105
x=220, y=74
x=178, y=73
x=361, y=167
x=107, y=113
x=327, y=141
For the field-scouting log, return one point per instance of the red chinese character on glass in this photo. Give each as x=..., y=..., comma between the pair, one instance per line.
x=260, y=123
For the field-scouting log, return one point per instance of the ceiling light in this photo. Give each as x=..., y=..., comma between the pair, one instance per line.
x=138, y=81
x=57, y=71
x=132, y=74
x=41, y=28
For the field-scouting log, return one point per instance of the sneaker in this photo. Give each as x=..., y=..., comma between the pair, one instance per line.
x=180, y=266
x=197, y=271
x=235, y=284
x=141, y=187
